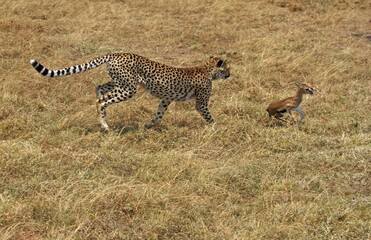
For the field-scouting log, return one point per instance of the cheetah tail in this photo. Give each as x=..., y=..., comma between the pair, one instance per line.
x=70, y=70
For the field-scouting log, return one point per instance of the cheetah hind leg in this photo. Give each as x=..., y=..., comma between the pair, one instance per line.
x=103, y=89
x=162, y=107
x=100, y=91
x=116, y=95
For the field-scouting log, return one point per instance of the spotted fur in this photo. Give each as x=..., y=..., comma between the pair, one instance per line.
x=127, y=71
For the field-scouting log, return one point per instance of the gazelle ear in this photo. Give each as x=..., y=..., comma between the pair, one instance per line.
x=298, y=84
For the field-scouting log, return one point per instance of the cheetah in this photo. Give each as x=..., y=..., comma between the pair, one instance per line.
x=127, y=71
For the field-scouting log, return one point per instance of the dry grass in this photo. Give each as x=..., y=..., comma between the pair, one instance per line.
x=241, y=178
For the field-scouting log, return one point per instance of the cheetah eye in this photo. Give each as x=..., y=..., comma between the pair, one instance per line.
x=220, y=63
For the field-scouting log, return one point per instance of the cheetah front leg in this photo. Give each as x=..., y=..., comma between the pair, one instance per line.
x=202, y=108
x=162, y=107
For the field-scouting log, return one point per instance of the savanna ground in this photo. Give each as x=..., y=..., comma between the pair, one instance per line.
x=240, y=178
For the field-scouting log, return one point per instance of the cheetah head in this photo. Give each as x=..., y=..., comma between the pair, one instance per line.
x=220, y=68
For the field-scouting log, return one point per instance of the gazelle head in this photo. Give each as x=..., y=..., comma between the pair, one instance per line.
x=305, y=88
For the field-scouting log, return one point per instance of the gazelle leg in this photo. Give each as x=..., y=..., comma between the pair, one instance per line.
x=301, y=116
x=292, y=121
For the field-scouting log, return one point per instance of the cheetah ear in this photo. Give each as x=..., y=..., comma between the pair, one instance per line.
x=220, y=63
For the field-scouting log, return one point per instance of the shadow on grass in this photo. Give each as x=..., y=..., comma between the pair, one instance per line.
x=128, y=128
x=118, y=129
x=134, y=127
x=125, y=129
x=280, y=125
x=277, y=124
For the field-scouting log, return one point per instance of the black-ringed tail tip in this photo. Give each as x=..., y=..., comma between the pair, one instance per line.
x=41, y=69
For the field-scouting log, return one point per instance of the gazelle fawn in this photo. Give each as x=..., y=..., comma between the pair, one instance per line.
x=279, y=108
